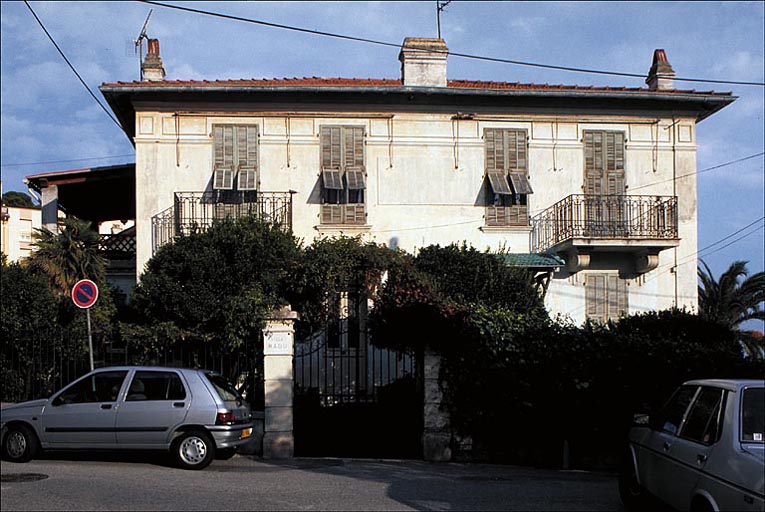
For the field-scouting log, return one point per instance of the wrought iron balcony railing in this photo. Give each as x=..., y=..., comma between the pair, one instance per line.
x=605, y=217
x=197, y=211
x=117, y=246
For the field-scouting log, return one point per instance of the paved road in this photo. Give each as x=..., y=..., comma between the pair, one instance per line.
x=149, y=482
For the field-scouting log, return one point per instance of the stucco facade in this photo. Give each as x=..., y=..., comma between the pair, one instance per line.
x=18, y=225
x=425, y=164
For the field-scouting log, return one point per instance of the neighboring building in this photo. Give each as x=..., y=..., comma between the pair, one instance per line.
x=18, y=224
x=602, y=177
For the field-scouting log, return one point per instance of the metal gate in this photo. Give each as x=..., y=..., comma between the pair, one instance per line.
x=353, y=399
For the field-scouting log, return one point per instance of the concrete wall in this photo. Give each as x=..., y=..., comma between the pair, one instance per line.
x=425, y=182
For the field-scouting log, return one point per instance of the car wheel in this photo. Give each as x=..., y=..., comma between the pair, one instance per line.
x=20, y=444
x=634, y=496
x=194, y=450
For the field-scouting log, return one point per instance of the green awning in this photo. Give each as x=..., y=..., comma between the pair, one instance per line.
x=533, y=260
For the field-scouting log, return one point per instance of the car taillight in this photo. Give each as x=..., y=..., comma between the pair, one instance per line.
x=225, y=418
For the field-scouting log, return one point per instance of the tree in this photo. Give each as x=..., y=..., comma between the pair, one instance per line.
x=69, y=255
x=17, y=199
x=733, y=299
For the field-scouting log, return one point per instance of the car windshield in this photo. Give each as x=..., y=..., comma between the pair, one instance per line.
x=225, y=389
x=753, y=415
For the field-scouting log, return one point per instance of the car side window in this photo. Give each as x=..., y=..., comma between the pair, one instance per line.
x=703, y=422
x=150, y=385
x=99, y=387
x=753, y=415
x=670, y=417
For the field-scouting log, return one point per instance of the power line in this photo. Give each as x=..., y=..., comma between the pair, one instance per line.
x=454, y=54
x=19, y=164
x=71, y=66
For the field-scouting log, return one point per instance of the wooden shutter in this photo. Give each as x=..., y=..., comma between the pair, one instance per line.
x=354, y=177
x=355, y=213
x=596, y=297
x=494, y=144
x=332, y=213
x=520, y=183
x=331, y=147
x=331, y=179
x=353, y=146
x=247, y=156
x=223, y=157
x=515, y=149
x=498, y=181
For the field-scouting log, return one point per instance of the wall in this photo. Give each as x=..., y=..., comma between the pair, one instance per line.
x=425, y=182
x=17, y=232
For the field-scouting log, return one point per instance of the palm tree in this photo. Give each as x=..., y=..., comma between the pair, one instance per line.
x=734, y=299
x=69, y=255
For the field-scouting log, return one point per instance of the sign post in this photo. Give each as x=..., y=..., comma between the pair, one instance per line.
x=84, y=295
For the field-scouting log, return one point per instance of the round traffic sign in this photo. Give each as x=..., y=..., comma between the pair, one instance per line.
x=84, y=293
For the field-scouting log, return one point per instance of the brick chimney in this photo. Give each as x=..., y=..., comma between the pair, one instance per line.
x=423, y=62
x=661, y=75
x=152, y=69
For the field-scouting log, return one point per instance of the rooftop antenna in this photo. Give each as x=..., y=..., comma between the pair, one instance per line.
x=440, y=5
x=139, y=43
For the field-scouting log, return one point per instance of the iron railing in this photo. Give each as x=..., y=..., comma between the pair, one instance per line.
x=197, y=211
x=117, y=246
x=603, y=217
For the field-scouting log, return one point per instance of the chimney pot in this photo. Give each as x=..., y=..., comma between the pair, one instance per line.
x=661, y=75
x=152, y=68
x=423, y=62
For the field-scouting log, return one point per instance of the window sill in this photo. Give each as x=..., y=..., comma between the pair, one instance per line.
x=343, y=228
x=505, y=229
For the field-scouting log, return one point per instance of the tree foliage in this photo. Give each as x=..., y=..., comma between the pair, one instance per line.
x=214, y=287
x=17, y=199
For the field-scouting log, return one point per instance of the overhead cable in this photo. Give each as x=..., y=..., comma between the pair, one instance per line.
x=454, y=54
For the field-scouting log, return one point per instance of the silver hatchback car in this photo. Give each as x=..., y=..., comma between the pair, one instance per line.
x=192, y=413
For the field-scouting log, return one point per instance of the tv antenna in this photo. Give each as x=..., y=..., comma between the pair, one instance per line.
x=138, y=43
x=440, y=5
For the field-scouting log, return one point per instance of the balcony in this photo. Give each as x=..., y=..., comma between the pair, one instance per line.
x=117, y=246
x=580, y=224
x=196, y=211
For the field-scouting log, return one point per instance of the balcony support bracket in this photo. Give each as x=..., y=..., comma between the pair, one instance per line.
x=645, y=261
x=576, y=261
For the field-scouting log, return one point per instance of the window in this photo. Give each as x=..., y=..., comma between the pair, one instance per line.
x=703, y=422
x=506, y=173
x=753, y=415
x=343, y=175
x=670, y=417
x=235, y=157
x=99, y=387
x=603, y=162
x=225, y=389
x=156, y=386
x=606, y=297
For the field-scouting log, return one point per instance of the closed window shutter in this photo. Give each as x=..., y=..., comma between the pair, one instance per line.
x=354, y=146
x=596, y=297
x=247, y=153
x=622, y=298
x=331, y=150
x=515, y=149
x=494, y=142
x=614, y=142
x=223, y=144
x=615, y=183
x=520, y=150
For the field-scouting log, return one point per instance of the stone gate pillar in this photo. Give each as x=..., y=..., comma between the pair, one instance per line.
x=278, y=355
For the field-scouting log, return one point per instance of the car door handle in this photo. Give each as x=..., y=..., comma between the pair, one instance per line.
x=701, y=458
x=667, y=446
x=179, y=404
x=106, y=406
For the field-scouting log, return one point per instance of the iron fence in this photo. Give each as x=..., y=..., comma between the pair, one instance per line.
x=605, y=217
x=46, y=362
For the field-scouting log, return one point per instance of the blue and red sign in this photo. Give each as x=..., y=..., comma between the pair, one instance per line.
x=84, y=293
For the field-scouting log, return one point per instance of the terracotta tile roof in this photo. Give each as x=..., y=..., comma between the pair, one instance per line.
x=387, y=82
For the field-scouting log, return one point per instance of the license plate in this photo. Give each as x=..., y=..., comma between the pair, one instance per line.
x=246, y=433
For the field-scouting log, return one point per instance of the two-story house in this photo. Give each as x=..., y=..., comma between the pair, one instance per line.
x=603, y=178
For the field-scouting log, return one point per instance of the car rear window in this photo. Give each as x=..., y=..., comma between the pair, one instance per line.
x=753, y=415
x=225, y=389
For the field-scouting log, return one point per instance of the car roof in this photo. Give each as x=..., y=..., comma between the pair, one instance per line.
x=153, y=368
x=730, y=384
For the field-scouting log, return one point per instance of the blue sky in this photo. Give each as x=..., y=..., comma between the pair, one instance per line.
x=48, y=116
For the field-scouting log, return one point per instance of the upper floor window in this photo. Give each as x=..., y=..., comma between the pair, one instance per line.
x=235, y=161
x=606, y=297
x=507, y=173
x=343, y=175
x=603, y=162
